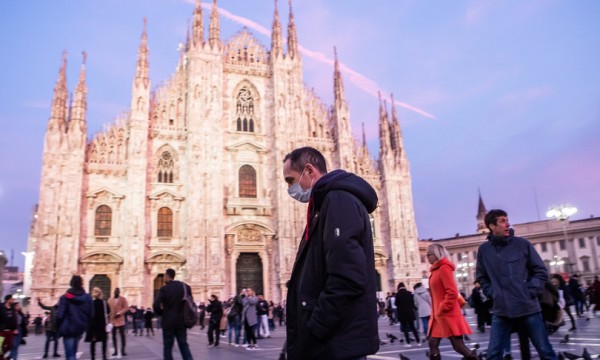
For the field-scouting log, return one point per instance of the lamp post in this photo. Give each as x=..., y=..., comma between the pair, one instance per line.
x=462, y=274
x=557, y=262
x=562, y=213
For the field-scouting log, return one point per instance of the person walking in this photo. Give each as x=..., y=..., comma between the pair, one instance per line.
x=565, y=295
x=119, y=308
x=405, y=306
x=20, y=332
x=148, y=316
x=249, y=319
x=594, y=297
x=331, y=299
x=447, y=320
x=96, y=331
x=73, y=315
x=423, y=303
x=481, y=305
x=576, y=293
x=168, y=304
x=215, y=308
x=50, y=328
x=512, y=274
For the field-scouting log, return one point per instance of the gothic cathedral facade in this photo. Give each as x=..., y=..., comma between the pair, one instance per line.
x=191, y=177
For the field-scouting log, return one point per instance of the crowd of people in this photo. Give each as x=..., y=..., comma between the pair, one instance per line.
x=513, y=293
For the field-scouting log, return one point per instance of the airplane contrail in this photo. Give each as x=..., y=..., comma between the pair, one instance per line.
x=362, y=82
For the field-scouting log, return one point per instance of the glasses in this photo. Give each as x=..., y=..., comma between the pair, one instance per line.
x=429, y=254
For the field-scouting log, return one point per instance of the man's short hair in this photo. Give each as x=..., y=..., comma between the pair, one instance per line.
x=306, y=155
x=492, y=217
x=401, y=285
x=170, y=273
x=7, y=297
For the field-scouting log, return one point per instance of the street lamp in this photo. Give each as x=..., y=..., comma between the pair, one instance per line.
x=562, y=213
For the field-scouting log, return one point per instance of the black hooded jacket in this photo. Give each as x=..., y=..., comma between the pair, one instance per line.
x=331, y=302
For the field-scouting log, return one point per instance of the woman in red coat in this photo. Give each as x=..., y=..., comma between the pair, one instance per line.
x=447, y=320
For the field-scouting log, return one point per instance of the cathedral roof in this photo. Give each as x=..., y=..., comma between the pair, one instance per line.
x=244, y=49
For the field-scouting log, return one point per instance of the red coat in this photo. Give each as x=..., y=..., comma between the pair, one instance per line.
x=446, y=316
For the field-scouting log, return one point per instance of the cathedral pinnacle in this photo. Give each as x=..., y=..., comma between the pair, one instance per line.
x=78, y=108
x=338, y=84
x=481, y=211
x=198, y=25
x=384, y=128
x=364, y=136
x=292, y=39
x=141, y=73
x=58, y=114
x=276, y=40
x=214, y=35
x=396, y=136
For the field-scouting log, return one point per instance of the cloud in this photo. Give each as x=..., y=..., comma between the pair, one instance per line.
x=362, y=82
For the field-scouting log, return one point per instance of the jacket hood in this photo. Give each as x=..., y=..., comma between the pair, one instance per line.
x=442, y=262
x=75, y=295
x=501, y=240
x=421, y=289
x=342, y=180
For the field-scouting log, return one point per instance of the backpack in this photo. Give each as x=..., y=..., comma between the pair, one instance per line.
x=190, y=310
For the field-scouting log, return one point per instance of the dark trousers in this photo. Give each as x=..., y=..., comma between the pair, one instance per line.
x=93, y=349
x=51, y=336
x=409, y=326
x=213, y=332
x=169, y=336
x=114, y=338
x=249, y=330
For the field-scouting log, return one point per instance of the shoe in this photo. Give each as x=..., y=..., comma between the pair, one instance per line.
x=210, y=344
x=216, y=345
x=114, y=354
x=56, y=355
x=573, y=328
x=45, y=356
x=123, y=353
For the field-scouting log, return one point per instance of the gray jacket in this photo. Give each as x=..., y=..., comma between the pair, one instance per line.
x=511, y=273
x=249, y=311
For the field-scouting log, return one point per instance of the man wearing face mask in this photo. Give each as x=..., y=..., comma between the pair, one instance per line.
x=331, y=301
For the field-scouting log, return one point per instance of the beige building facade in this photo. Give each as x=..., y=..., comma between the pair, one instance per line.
x=191, y=177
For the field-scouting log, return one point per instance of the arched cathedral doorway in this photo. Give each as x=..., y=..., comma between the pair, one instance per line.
x=249, y=273
x=159, y=281
x=103, y=282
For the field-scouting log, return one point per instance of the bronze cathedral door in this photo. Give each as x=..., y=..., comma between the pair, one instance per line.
x=249, y=273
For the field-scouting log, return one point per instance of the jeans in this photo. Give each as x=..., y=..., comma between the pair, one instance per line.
x=532, y=324
x=51, y=336
x=70, y=344
x=263, y=324
x=425, y=322
x=169, y=336
x=235, y=326
x=14, y=352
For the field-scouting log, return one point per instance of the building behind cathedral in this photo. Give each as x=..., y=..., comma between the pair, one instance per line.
x=191, y=177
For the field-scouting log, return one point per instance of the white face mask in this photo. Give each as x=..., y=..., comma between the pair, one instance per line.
x=297, y=193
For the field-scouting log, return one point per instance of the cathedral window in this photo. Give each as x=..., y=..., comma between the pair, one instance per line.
x=245, y=110
x=166, y=167
x=247, y=182
x=165, y=222
x=103, y=221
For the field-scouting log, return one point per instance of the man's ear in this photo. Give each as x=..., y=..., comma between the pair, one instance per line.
x=310, y=169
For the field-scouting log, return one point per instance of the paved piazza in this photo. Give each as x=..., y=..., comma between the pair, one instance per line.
x=147, y=348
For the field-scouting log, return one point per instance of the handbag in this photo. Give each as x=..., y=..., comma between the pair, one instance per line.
x=461, y=300
x=108, y=326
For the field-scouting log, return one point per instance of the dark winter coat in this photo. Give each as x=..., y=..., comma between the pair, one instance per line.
x=51, y=324
x=331, y=301
x=512, y=274
x=74, y=313
x=168, y=304
x=148, y=316
x=97, y=328
x=405, y=305
x=215, y=308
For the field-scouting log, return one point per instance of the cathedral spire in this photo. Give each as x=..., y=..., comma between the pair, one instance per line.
x=276, y=39
x=384, y=128
x=80, y=100
x=214, y=29
x=198, y=26
x=292, y=39
x=338, y=83
x=364, y=136
x=481, y=211
x=58, y=114
x=396, y=136
x=141, y=72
